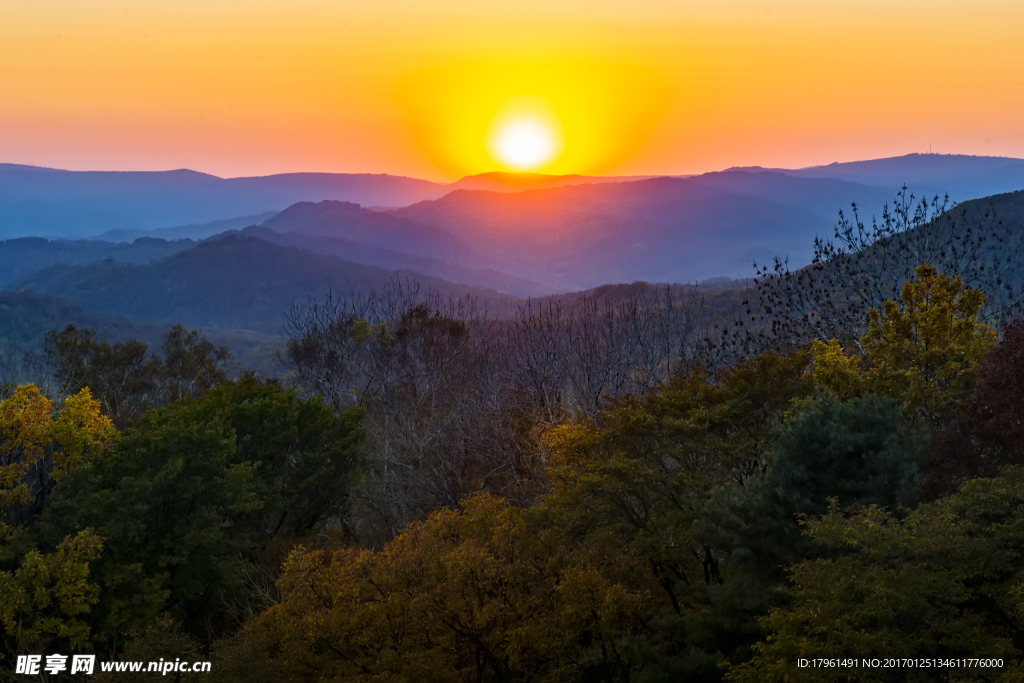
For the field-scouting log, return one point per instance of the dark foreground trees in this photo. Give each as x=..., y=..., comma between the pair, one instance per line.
x=194, y=502
x=941, y=584
x=686, y=512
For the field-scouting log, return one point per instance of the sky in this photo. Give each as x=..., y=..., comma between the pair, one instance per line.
x=439, y=89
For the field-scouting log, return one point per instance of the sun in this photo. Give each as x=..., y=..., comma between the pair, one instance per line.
x=525, y=134
x=524, y=145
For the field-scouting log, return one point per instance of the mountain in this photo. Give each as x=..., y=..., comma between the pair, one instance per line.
x=234, y=282
x=192, y=231
x=23, y=256
x=657, y=230
x=517, y=182
x=46, y=202
x=26, y=317
x=482, y=278
x=381, y=229
x=55, y=203
x=962, y=177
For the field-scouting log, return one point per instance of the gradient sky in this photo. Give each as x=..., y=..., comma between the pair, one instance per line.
x=252, y=87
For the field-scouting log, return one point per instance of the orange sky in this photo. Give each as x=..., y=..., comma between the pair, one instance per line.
x=251, y=87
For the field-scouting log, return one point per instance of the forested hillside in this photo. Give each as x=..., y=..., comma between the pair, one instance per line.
x=611, y=489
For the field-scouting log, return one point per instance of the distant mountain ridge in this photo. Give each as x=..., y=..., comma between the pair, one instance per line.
x=391, y=259
x=239, y=285
x=23, y=256
x=46, y=202
x=54, y=203
x=497, y=181
x=962, y=177
x=656, y=230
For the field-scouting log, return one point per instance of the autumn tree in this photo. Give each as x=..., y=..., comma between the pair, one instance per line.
x=994, y=411
x=45, y=596
x=636, y=481
x=38, y=449
x=477, y=593
x=922, y=350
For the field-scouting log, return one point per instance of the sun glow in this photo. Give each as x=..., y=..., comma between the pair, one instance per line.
x=525, y=134
x=557, y=116
x=523, y=145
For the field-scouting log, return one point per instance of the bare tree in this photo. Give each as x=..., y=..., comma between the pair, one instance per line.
x=863, y=266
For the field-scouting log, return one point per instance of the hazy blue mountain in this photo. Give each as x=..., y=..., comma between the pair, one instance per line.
x=48, y=202
x=55, y=203
x=234, y=282
x=496, y=181
x=25, y=255
x=484, y=278
x=657, y=230
x=962, y=177
x=383, y=229
x=26, y=317
x=193, y=231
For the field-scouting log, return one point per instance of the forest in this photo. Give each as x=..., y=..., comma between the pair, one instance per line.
x=641, y=486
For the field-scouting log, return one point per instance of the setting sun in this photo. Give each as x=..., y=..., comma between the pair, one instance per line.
x=549, y=116
x=525, y=134
x=523, y=145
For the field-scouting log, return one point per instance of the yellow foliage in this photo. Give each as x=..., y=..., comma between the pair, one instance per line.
x=81, y=432
x=468, y=594
x=841, y=373
x=36, y=447
x=922, y=350
x=46, y=596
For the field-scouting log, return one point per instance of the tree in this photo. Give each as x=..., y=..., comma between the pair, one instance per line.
x=47, y=597
x=191, y=364
x=635, y=483
x=126, y=379
x=193, y=496
x=943, y=582
x=827, y=452
x=864, y=266
x=474, y=594
x=922, y=350
x=994, y=411
x=637, y=477
x=38, y=449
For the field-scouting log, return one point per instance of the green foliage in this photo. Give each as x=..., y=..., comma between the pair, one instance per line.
x=161, y=640
x=857, y=452
x=631, y=487
x=946, y=582
x=193, y=494
x=637, y=477
x=922, y=350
